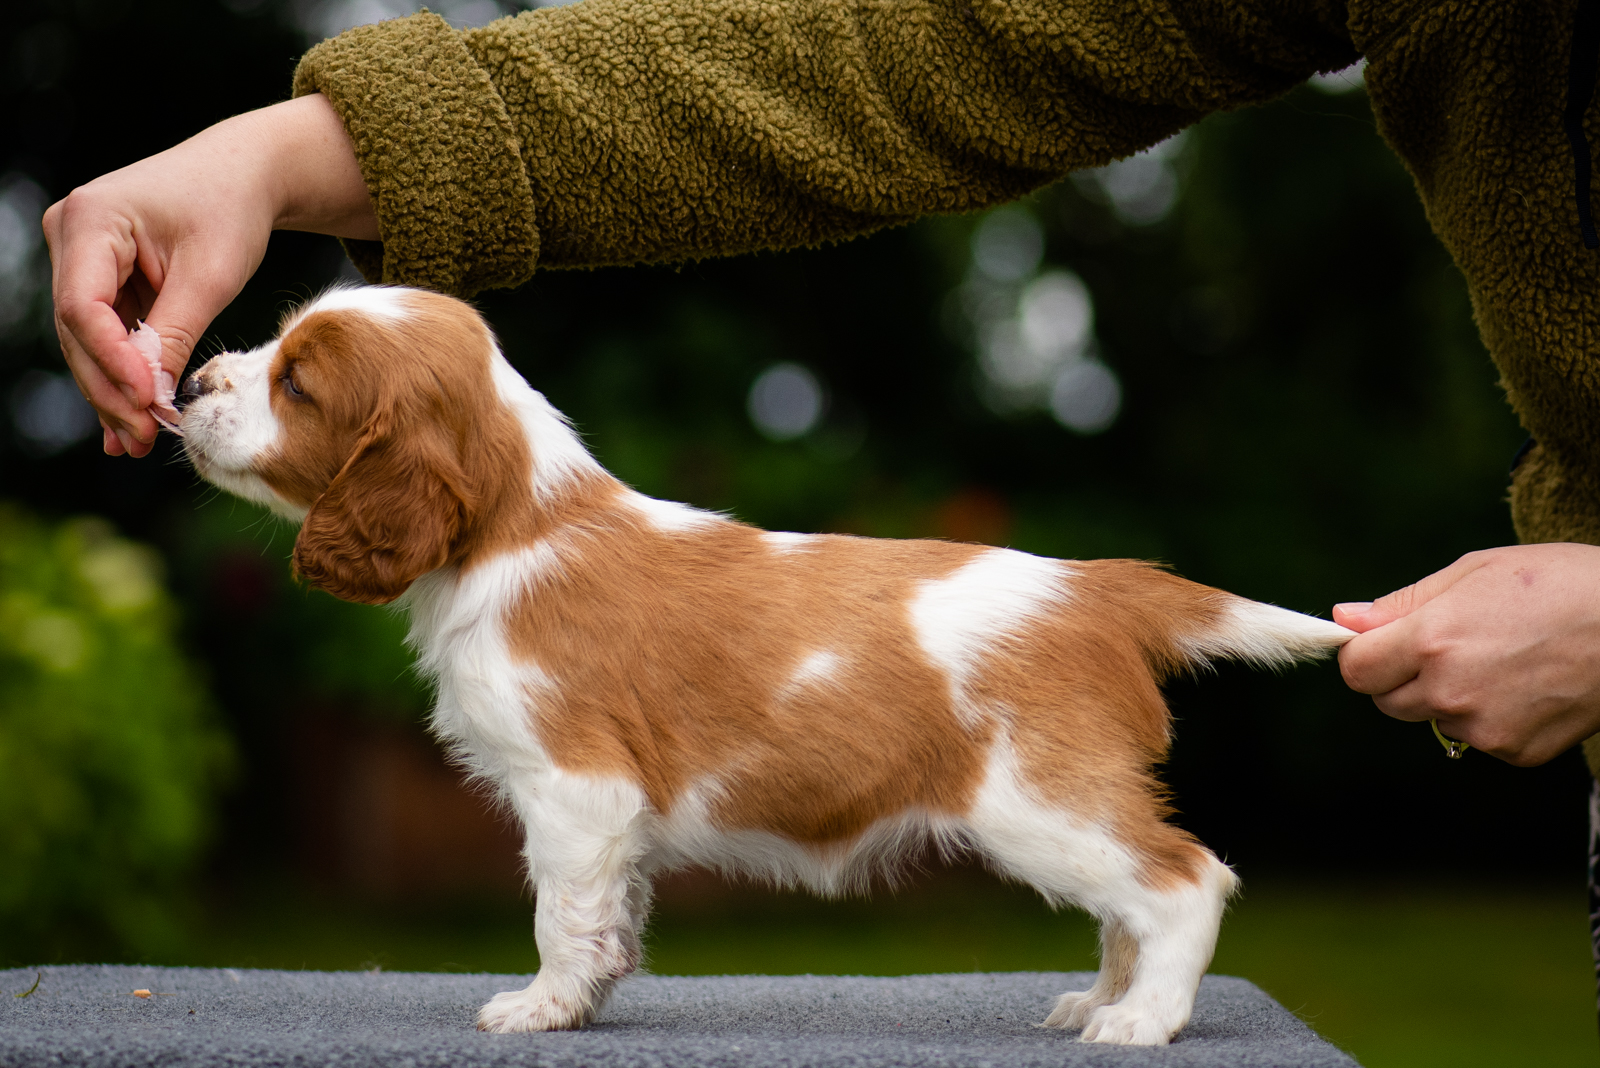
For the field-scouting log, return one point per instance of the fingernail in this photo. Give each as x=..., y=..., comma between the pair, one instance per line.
x=126, y=439
x=1354, y=608
x=133, y=398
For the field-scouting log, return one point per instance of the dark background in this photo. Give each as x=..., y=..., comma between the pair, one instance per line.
x=1307, y=417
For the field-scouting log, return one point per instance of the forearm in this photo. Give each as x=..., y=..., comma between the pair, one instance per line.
x=290, y=166
x=317, y=182
x=673, y=129
x=758, y=125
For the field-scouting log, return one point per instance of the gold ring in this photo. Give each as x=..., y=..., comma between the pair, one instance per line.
x=1452, y=748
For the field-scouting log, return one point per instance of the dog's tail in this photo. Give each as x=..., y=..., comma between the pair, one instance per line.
x=1183, y=626
x=1262, y=635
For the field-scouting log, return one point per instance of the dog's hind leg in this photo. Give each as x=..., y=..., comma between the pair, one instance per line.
x=591, y=901
x=1157, y=941
x=1175, y=926
x=1118, y=953
x=1159, y=895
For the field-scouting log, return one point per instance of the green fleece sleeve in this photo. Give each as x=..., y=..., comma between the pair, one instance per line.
x=632, y=131
x=1470, y=93
x=438, y=151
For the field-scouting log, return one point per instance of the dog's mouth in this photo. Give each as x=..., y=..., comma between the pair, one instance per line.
x=204, y=466
x=198, y=435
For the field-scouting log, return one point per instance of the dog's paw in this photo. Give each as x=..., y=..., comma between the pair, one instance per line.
x=1125, y=1026
x=1072, y=1010
x=528, y=1010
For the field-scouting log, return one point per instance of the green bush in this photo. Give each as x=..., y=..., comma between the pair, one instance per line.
x=109, y=750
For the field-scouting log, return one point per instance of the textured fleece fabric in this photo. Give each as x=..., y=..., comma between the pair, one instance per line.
x=632, y=131
x=84, y=1017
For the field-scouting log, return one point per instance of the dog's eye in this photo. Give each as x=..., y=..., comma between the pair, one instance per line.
x=291, y=385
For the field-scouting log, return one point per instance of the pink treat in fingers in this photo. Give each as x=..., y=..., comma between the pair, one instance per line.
x=148, y=342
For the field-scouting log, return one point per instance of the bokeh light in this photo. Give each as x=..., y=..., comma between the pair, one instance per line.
x=1086, y=397
x=22, y=263
x=1141, y=190
x=1032, y=329
x=49, y=413
x=1055, y=315
x=1339, y=82
x=1008, y=244
x=786, y=402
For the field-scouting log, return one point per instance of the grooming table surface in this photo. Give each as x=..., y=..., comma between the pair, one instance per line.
x=84, y=1015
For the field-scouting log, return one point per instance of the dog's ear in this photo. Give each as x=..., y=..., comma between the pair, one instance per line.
x=391, y=515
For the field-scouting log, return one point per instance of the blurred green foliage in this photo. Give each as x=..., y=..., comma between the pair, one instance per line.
x=288, y=643
x=110, y=753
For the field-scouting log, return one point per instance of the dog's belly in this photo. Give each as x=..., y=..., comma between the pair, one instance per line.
x=692, y=835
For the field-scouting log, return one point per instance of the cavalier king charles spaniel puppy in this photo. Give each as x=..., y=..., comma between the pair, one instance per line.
x=650, y=686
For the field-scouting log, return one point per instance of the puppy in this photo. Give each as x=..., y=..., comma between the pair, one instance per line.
x=650, y=686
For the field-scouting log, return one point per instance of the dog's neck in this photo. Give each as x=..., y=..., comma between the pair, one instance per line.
x=556, y=482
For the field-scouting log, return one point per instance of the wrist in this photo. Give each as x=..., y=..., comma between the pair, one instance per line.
x=314, y=180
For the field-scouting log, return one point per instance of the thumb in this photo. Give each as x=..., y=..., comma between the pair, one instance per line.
x=180, y=334
x=1362, y=617
x=181, y=314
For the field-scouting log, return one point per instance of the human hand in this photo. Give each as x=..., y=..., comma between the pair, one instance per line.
x=173, y=238
x=1502, y=648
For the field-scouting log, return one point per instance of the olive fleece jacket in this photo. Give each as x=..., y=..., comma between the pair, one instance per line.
x=632, y=131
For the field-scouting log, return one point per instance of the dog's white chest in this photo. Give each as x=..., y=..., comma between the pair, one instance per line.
x=486, y=697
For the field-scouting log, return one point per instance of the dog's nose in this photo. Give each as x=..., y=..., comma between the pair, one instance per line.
x=194, y=387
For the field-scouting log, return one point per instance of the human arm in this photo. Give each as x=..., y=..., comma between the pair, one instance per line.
x=1502, y=648
x=173, y=238
x=624, y=131
x=630, y=131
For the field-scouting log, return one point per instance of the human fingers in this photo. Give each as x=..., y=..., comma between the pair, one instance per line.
x=115, y=442
x=1414, y=702
x=1384, y=658
x=1364, y=616
x=126, y=429
x=120, y=442
x=1356, y=616
x=118, y=383
x=1479, y=728
x=1510, y=738
x=132, y=429
x=197, y=288
x=94, y=257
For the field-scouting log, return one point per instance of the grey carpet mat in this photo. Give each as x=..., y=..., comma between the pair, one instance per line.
x=84, y=1015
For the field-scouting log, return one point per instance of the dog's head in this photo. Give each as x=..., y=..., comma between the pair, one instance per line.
x=374, y=416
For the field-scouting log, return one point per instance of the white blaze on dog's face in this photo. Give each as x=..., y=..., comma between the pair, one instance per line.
x=229, y=424
x=374, y=417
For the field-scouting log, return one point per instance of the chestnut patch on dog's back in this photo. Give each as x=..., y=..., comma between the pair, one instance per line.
x=788, y=687
x=677, y=664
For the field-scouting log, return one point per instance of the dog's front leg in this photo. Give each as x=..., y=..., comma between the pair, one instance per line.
x=591, y=903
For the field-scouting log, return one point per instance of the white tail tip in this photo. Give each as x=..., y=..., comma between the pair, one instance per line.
x=1265, y=635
